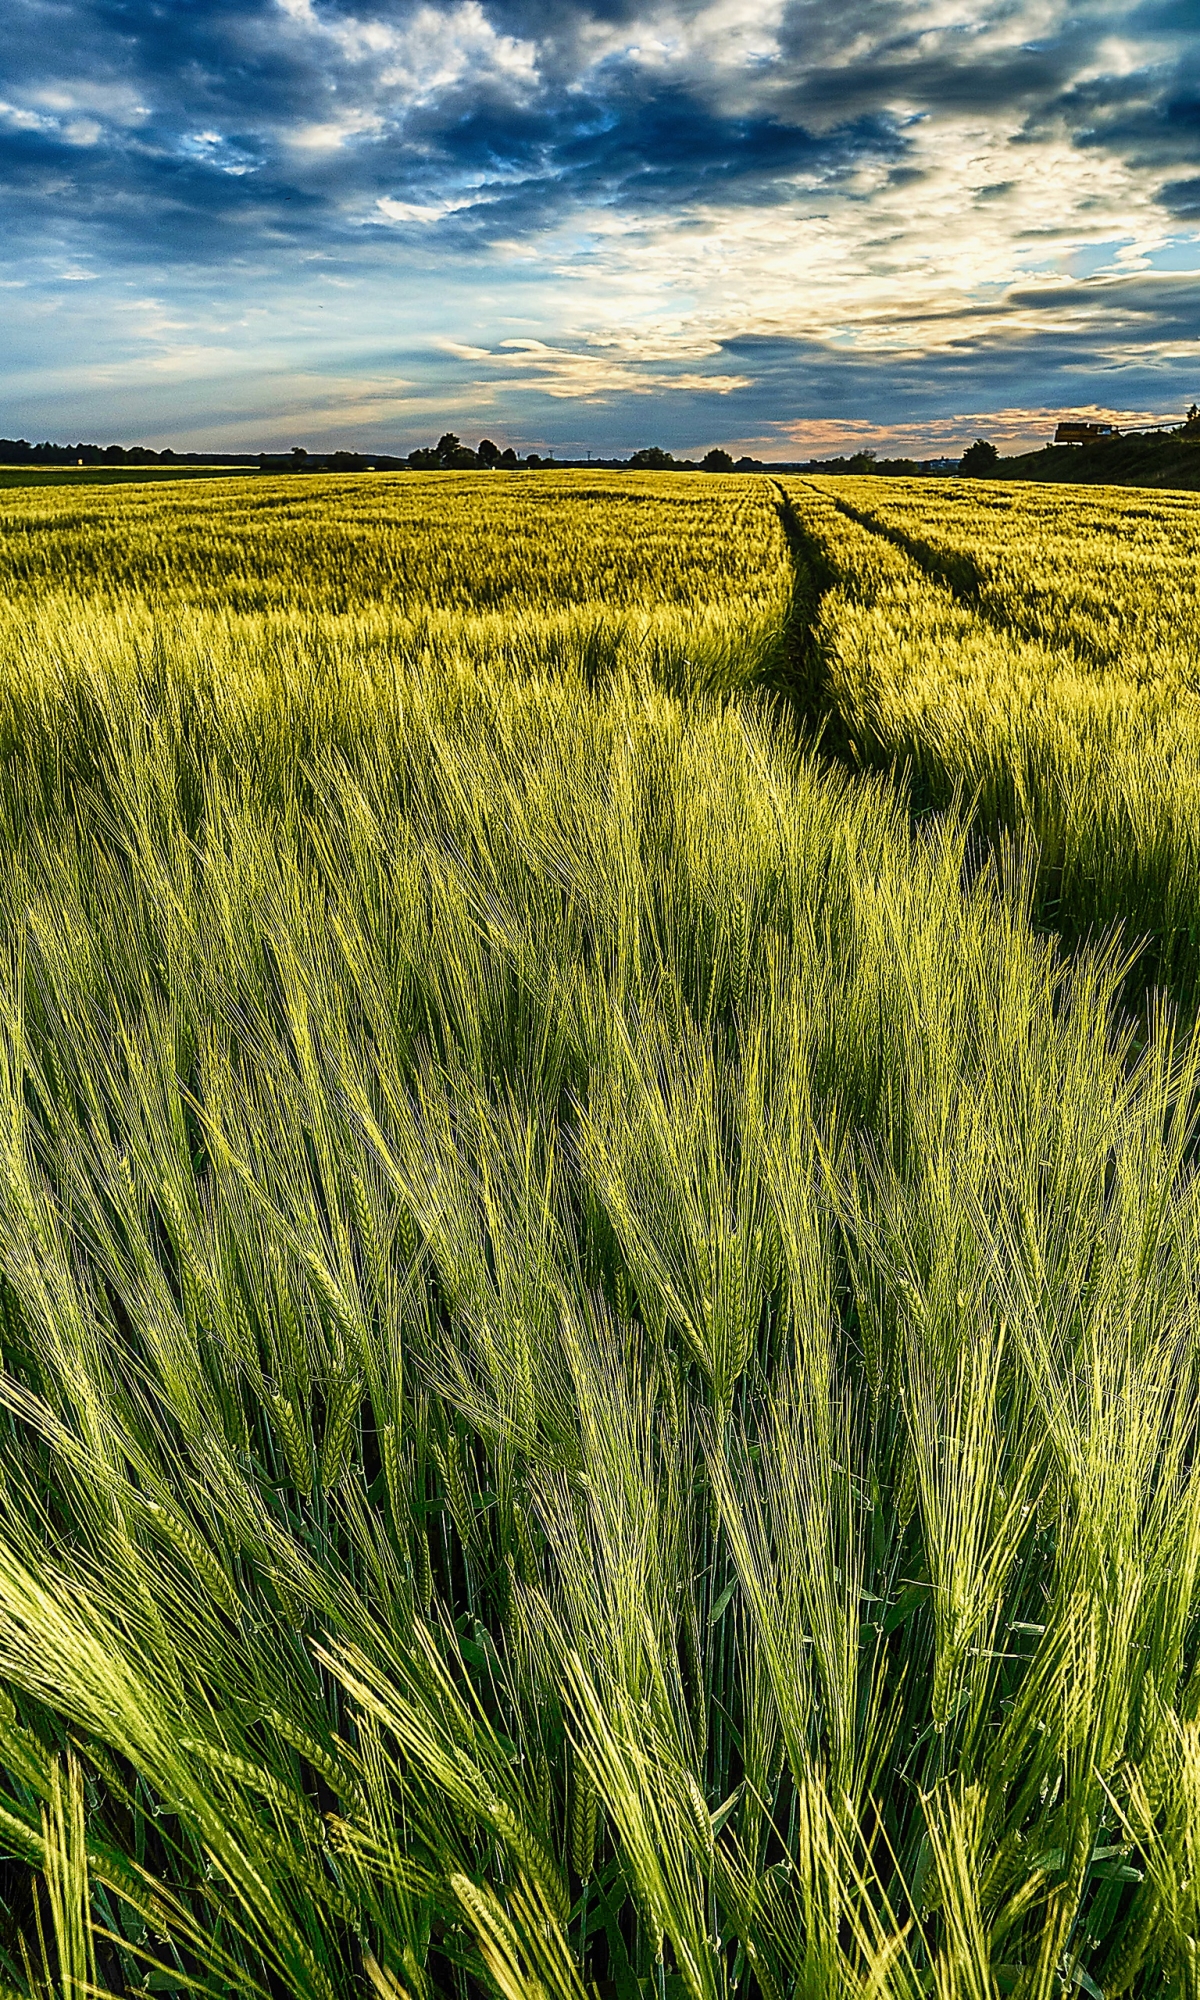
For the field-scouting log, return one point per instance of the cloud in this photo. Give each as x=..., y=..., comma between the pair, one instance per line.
x=1181, y=197
x=592, y=376
x=734, y=207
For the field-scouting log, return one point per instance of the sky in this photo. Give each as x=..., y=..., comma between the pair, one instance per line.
x=789, y=227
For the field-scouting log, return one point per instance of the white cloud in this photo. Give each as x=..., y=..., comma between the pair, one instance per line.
x=439, y=50
x=420, y=211
x=22, y=119
x=726, y=36
x=433, y=51
x=327, y=135
x=117, y=103
x=76, y=112
x=587, y=375
x=219, y=152
x=412, y=211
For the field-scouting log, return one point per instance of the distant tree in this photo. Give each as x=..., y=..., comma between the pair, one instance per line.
x=979, y=460
x=716, y=461
x=425, y=459
x=298, y=452
x=858, y=462
x=533, y=460
x=447, y=445
x=344, y=461
x=488, y=453
x=462, y=460
x=898, y=468
x=1190, y=428
x=651, y=458
x=508, y=456
x=748, y=465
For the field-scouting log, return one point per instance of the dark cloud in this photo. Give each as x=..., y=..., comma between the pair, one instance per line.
x=1181, y=197
x=982, y=372
x=197, y=110
x=198, y=104
x=663, y=154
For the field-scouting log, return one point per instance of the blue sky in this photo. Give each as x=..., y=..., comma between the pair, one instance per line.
x=789, y=226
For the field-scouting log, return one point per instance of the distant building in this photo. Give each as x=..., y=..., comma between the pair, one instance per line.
x=1071, y=432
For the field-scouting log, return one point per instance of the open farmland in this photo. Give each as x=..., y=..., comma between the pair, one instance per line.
x=601, y=1339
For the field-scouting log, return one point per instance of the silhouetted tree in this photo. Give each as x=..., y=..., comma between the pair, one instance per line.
x=651, y=459
x=447, y=445
x=508, y=456
x=979, y=460
x=488, y=453
x=716, y=460
x=859, y=461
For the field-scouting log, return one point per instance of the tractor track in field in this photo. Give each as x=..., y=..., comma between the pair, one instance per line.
x=961, y=576
x=804, y=682
x=957, y=574
x=802, y=678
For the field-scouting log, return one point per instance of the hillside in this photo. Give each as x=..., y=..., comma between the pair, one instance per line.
x=1120, y=461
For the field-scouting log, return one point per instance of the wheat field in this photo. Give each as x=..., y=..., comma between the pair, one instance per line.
x=599, y=1321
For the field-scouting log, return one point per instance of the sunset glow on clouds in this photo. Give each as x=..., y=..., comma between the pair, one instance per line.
x=781, y=225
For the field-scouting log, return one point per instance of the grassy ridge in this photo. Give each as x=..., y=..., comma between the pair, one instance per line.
x=1036, y=656
x=600, y=1368
x=1124, y=461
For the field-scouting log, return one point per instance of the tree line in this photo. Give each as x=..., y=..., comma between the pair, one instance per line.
x=19, y=451
x=980, y=460
x=449, y=454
